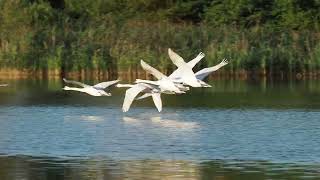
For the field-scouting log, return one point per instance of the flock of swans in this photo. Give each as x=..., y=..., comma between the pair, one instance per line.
x=176, y=83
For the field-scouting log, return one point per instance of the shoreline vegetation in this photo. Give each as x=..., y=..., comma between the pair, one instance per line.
x=107, y=38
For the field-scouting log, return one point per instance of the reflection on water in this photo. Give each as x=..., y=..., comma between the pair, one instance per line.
x=167, y=123
x=26, y=167
x=161, y=122
x=235, y=130
x=84, y=117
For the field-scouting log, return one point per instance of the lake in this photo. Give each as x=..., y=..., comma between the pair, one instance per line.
x=234, y=130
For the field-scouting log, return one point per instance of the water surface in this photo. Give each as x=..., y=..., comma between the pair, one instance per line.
x=235, y=130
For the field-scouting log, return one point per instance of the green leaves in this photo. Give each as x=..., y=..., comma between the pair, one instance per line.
x=103, y=34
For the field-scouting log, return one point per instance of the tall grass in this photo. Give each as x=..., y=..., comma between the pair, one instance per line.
x=39, y=38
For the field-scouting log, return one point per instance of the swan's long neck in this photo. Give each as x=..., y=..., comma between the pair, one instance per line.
x=124, y=85
x=147, y=81
x=67, y=88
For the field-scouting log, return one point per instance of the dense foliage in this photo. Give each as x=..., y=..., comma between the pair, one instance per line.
x=266, y=36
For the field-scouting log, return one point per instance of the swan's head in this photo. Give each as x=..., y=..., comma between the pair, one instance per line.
x=66, y=88
x=103, y=93
x=124, y=85
x=193, y=83
x=203, y=84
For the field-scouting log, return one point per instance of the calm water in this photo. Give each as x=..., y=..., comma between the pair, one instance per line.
x=235, y=130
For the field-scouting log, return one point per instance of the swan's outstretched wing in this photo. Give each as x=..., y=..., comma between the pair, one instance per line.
x=130, y=95
x=104, y=85
x=76, y=83
x=3, y=85
x=206, y=71
x=157, y=101
x=194, y=61
x=175, y=58
x=184, y=69
x=152, y=70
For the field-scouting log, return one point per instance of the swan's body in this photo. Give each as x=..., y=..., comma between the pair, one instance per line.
x=96, y=90
x=134, y=90
x=185, y=74
x=151, y=88
x=164, y=82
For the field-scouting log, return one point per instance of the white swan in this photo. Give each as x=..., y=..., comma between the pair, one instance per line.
x=3, y=85
x=134, y=90
x=185, y=74
x=164, y=83
x=96, y=90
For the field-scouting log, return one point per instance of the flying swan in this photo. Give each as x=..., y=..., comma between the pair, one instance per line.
x=96, y=90
x=165, y=84
x=185, y=74
x=134, y=90
x=151, y=88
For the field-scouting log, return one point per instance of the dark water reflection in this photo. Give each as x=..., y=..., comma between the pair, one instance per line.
x=235, y=130
x=24, y=167
x=223, y=94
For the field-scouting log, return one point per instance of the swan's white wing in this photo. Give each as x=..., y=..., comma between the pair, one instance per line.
x=175, y=58
x=194, y=61
x=157, y=101
x=3, y=85
x=104, y=85
x=203, y=73
x=182, y=71
x=76, y=83
x=179, y=72
x=152, y=70
x=176, y=74
x=206, y=71
x=182, y=74
x=130, y=95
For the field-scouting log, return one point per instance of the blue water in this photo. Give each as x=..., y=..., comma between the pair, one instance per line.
x=206, y=134
x=179, y=134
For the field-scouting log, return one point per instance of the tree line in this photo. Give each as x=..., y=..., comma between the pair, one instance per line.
x=267, y=37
